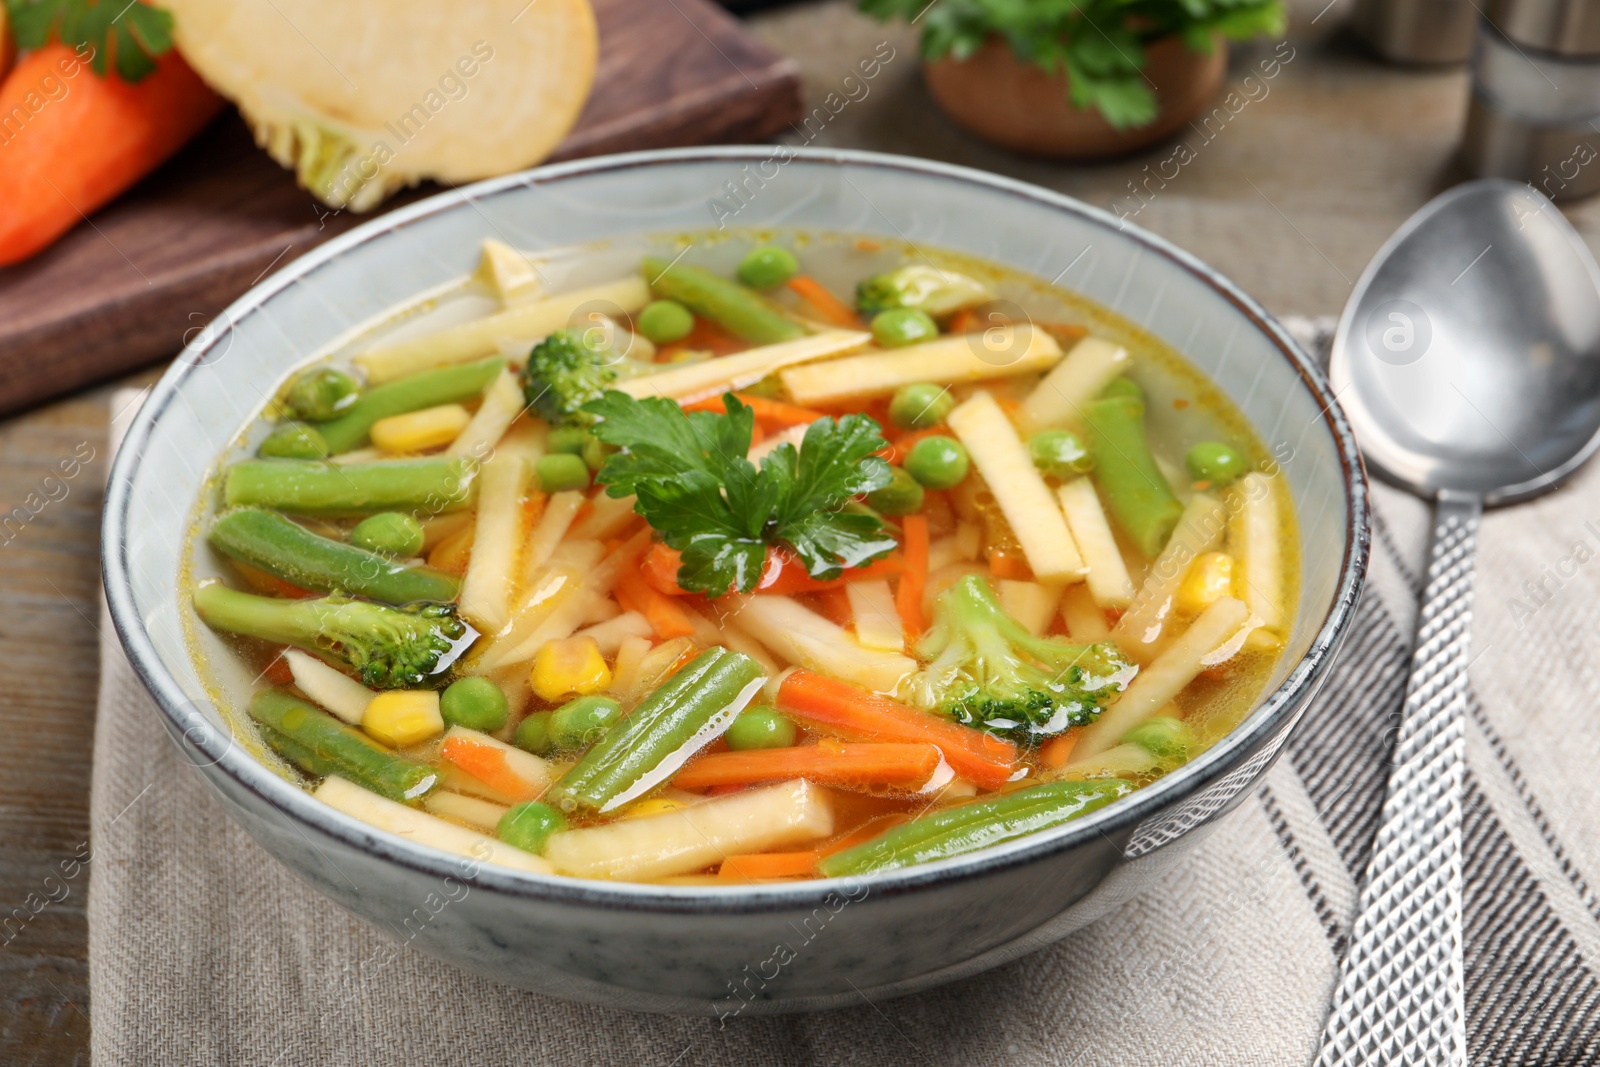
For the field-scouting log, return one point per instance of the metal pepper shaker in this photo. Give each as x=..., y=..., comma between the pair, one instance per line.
x=1417, y=31
x=1534, y=115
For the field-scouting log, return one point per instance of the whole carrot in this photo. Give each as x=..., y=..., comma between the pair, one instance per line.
x=71, y=141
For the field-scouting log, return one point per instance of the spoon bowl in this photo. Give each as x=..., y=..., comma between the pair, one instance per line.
x=1468, y=357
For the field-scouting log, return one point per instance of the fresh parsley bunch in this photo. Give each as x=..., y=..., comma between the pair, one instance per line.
x=135, y=32
x=696, y=487
x=1099, y=44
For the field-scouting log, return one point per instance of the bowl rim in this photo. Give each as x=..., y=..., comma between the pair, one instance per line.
x=217, y=749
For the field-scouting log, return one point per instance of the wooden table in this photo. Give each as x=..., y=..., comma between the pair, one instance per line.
x=1291, y=196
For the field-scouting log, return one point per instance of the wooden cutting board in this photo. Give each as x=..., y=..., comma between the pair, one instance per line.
x=129, y=286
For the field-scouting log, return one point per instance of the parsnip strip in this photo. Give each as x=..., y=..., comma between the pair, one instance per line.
x=486, y=588
x=501, y=405
x=1021, y=350
x=802, y=636
x=1060, y=395
x=474, y=811
x=1084, y=620
x=878, y=624
x=559, y=511
x=696, y=381
x=468, y=341
x=607, y=516
x=1211, y=639
x=424, y=829
x=1200, y=529
x=1107, y=575
x=610, y=635
x=1255, y=540
x=1018, y=488
x=1029, y=603
x=328, y=688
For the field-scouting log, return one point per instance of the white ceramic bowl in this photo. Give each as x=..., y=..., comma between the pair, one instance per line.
x=696, y=949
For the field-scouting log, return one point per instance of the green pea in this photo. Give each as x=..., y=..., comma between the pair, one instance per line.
x=768, y=267
x=1164, y=737
x=760, y=727
x=294, y=440
x=321, y=394
x=902, y=496
x=529, y=825
x=665, y=321
x=476, y=703
x=920, y=406
x=560, y=471
x=1123, y=386
x=898, y=327
x=580, y=723
x=1060, y=453
x=1215, y=462
x=567, y=440
x=389, y=533
x=938, y=462
x=533, y=734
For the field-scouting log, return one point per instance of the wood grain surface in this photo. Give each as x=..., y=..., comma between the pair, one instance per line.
x=1291, y=201
x=126, y=287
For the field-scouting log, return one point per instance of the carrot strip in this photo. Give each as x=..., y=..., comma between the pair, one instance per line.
x=834, y=605
x=865, y=832
x=1006, y=565
x=84, y=147
x=277, y=671
x=833, y=309
x=488, y=765
x=839, y=707
x=826, y=763
x=666, y=617
x=769, y=413
x=914, y=578
x=964, y=321
x=452, y=554
x=756, y=865
x=660, y=568
x=1057, y=752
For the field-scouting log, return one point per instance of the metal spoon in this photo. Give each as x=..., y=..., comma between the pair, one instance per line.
x=1468, y=360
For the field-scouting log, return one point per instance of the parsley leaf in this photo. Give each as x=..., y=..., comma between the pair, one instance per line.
x=140, y=32
x=695, y=486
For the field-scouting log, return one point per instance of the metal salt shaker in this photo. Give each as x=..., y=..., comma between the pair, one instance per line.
x=1433, y=32
x=1535, y=109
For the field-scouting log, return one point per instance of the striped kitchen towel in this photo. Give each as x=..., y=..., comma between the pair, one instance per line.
x=204, y=951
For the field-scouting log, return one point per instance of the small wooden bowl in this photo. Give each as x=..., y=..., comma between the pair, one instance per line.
x=1015, y=105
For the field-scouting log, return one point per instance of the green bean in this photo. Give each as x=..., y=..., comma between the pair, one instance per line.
x=305, y=487
x=334, y=747
x=282, y=547
x=730, y=305
x=642, y=751
x=968, y=827
x=446, y=385
x=1136, y=491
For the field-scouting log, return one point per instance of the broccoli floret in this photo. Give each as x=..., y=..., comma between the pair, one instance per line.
x=986, y=670
x=565, y=371
x=916, y=285
x=390, y=648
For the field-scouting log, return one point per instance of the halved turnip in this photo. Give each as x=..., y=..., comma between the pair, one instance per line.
x=361, y=99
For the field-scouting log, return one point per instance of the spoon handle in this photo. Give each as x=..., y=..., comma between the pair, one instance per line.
x=1399, y=999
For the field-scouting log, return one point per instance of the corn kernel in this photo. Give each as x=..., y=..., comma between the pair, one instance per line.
x=1209, y=579
x=403, y=717
x=419, y=431
x=572, y=666
x=643, y=809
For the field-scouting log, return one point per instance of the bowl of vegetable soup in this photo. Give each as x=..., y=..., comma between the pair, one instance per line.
x=736, y=579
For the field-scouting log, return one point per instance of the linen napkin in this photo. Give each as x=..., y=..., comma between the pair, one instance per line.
x=203, y=950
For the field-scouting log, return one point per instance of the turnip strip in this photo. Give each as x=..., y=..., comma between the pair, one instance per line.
x=680, y=842
x=1076, y=380
x=1084, y=620
x=565, y=617
x=423, y=829
x=996, y=353
x=1199, y=529
x=559, y=511
x=1018, y=488
x=468, y=341
x=878, y=624
x=610, y=635
x=607, y=517
x=474, y=811
x=1029, y=603
x=1213, y=637
x=1255, y=540
x=328, y=688
x=630, y=654
x=1107, y=578
x=550, y=590
x=801, y=636
x=696, y=381
x=486, y=588
x=502, y=403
